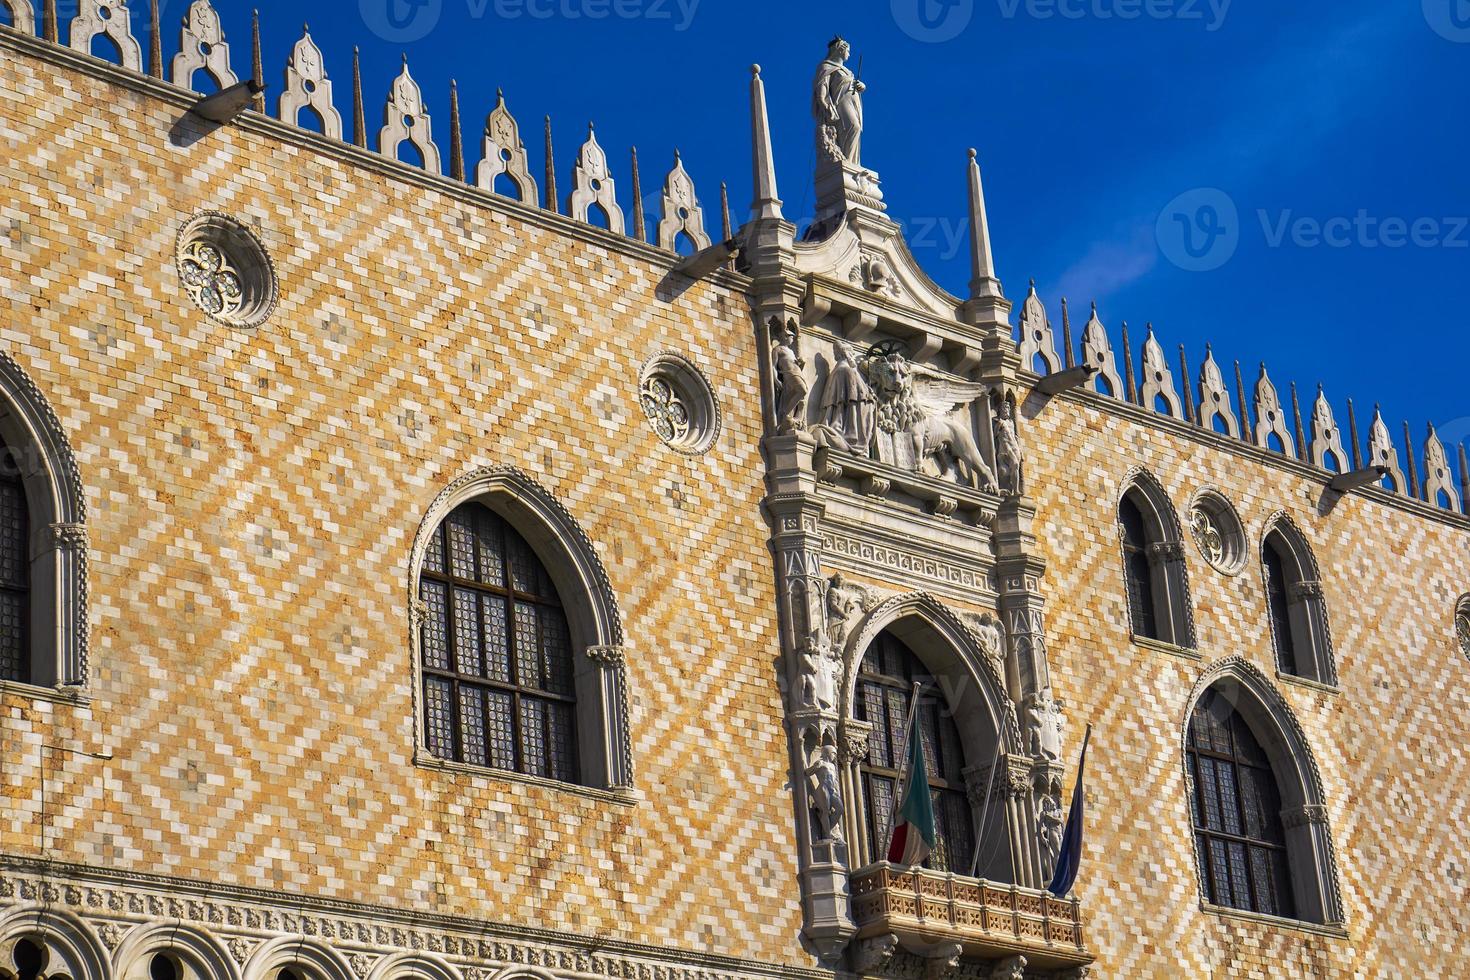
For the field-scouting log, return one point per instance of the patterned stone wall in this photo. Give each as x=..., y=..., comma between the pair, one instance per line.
x=248, y=727
x=254, y=495
x=1391, y=742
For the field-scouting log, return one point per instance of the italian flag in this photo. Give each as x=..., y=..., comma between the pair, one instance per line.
x=913, y=833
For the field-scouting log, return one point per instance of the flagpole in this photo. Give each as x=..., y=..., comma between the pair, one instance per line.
x=985, y=808
x=908, y=728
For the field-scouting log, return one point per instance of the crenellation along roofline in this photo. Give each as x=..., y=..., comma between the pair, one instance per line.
x=264, y=125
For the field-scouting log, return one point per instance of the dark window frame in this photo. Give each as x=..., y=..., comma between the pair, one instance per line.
x=1143, y=615
x=12, y=481
x=438, y=570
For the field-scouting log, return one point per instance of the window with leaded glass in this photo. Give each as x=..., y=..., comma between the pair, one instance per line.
x=884, y=689
x=497, y=651
x=1237, y=813
x=15, y=574
x=1278, y=601
x=1139, y=573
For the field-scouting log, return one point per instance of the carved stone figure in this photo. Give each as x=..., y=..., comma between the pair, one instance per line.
x=1044, y=725
x=928, y=409
x=1050, y=833
x=826, y=797
x=987, y=629
x=820, y=673
x=1008, y=459
x=791, y=383
x=848, y=404
x=1011, y=968
x=837, y=105
x=844, y=601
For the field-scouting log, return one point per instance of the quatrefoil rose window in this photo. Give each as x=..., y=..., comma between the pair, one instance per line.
x=679, y=403
x=1462, y=628
x=225, y=270
x=1217, y=532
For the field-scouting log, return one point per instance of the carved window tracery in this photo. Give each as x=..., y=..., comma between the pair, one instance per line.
x=1237, y=813
x=679, y=403
x=1217, y=532
x=225, y=270
x=497, y=654
x=885, y=684
x=1462, y=626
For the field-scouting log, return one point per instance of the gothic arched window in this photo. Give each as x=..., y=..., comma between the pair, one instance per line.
x=1237, y=813
x=1153, y=565
x=1462, y=625
x=499, y=689
x=884, y=691
x=15, y=574
x=1295, y=604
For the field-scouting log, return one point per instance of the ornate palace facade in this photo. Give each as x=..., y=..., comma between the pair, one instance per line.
x=409, y=569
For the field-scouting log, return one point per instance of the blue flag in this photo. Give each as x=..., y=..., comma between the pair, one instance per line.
x=1070, y=855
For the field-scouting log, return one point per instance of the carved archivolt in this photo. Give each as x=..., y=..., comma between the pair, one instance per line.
x=321, y=962
x=199, y=954
x=1298, y=777
x=72, y=949
x=413, y=966
x=54, y=493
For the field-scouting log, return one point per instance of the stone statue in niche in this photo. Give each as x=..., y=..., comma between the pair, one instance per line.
x=1044, y=725
x=791, y=384
x=821, y=670
x=929, y=411
x=837, y=105
x=844, y=601
x=1050, y=832
x=1008, y=459
x=826, y=796
x=848, y=404
x=987, y=629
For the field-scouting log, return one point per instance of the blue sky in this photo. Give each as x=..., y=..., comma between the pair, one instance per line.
x=1090, y=117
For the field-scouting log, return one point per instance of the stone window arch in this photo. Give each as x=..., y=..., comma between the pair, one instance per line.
x=548, y=613
x=1262, y=842
x=1296, y=608
x=922, y=639
x=43, y=540
x=1462, y=625
x=413, y=966
x=296, y=958
x=41, y=943
x=172, y=951
x=1155, y=577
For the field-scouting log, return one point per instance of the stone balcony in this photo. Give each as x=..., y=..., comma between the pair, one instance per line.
x=976, y=920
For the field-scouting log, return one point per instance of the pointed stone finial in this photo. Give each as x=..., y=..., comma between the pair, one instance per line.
x=112, y=20
x=1158, y=380
x=1297, y=430
x=987, y=306
x=1382, y=452
x=359, y=116
x=1327, y=449
x=405, y=118
x=1068, y=358
x=725, y=212
x=1037, y=338
x=201, y=45
x=1245, y=419
x=1189, y=411
x=1214, y=398
x=1131, y=378
x=1270, y=418
x=1097, y=351
x=503, y=152
x=49, y=28
x=640, y=228
x=307, y=85
x=155, y=41
x=456, y=137
x=767, y=203
x=1413, y=466
x=552, y=204
x=593, y=185
x=1464, y=482
x=1355, y=446
x=680, y=211
x=257, y=67
x=1439, y=482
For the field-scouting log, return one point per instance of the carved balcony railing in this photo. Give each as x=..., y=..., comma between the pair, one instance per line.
x=926, y=909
